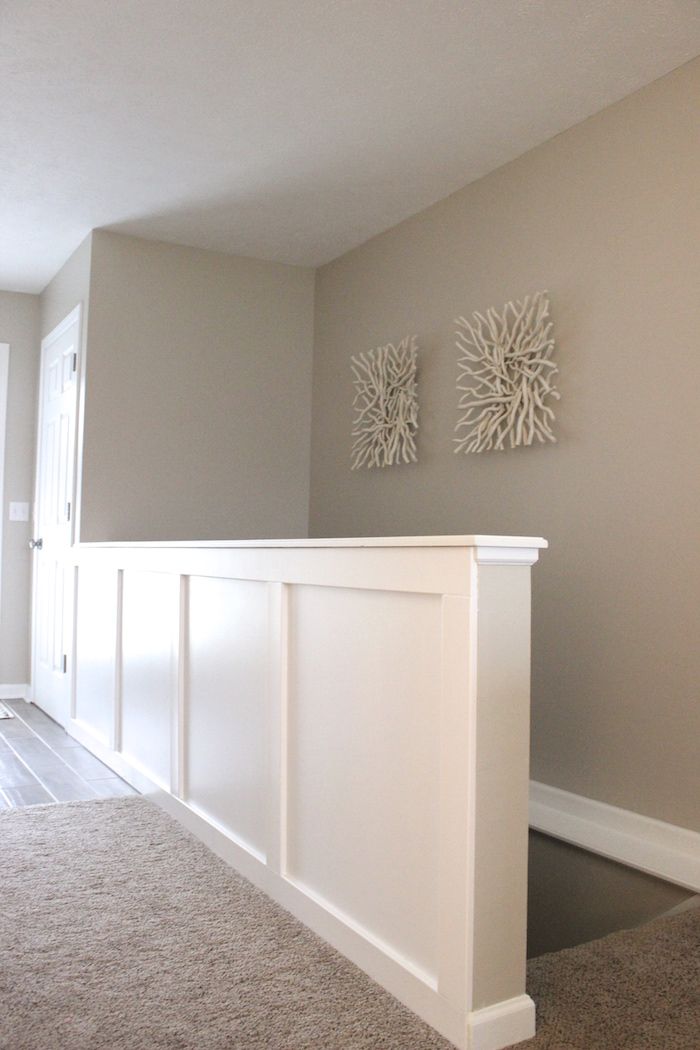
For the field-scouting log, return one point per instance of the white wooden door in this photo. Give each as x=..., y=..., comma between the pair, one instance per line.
x=54, y=515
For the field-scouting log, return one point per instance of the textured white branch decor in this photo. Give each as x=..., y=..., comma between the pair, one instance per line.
x=505, y=376
x=386, y=402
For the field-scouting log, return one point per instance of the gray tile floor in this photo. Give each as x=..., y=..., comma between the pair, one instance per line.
x=40, y=763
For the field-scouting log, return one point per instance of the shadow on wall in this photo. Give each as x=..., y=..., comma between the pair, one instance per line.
x=575, y=896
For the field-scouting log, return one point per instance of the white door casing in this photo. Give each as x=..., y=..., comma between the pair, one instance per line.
x=54, y=518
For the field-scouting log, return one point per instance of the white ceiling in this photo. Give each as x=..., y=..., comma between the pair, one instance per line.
x=290, y=129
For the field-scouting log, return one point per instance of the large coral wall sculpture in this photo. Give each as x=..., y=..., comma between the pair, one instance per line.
x=386, y=405
x=505, y=375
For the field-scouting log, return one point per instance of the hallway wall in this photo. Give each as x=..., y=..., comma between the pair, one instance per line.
x=19, y=326
x=607, y=217
x=68, y=288
x=198, y=397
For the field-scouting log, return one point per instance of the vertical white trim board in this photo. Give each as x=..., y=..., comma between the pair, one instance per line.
x=665, y=851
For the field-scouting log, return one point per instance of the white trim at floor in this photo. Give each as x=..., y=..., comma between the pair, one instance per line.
x=664, y=850
x=507, y=1022
x=14, y=692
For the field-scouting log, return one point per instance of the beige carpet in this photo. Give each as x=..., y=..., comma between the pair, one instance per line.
x=118, y=931
x=634, y=990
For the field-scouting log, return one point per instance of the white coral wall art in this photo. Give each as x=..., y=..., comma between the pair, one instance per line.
x=386, y=405
x=506, y=376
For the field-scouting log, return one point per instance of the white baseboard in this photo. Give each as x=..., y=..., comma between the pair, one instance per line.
x=664, y=850
x=502, y=1025
x=14, y=692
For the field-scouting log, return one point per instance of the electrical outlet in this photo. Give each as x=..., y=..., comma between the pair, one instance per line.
x=19, y=512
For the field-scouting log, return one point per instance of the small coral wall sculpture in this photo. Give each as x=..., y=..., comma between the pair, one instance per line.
x=505, y=375
x=386, y=403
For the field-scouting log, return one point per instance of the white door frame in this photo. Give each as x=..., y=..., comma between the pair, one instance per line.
x=75, y=315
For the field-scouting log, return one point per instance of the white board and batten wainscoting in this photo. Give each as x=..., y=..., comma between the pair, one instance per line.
x=347, y=723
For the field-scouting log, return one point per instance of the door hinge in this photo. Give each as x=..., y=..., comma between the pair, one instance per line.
x=67, y=511
x=65, y=663
x=75, y=362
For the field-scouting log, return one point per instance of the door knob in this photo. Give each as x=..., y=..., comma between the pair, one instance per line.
x=36, y=545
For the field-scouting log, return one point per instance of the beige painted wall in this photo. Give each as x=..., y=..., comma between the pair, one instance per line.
x=70, y=287
x=19, y=326
x=574, y=896
x=607, y=217
x=197, y=416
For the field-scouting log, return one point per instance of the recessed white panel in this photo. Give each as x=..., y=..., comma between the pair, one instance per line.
x=149, y=668
x=363, y=759
x=96, y=649
x=227, y=705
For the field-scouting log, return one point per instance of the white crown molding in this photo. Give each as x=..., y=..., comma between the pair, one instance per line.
x=665, y=851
